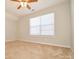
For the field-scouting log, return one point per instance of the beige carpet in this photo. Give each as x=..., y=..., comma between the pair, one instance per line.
x=26, y=50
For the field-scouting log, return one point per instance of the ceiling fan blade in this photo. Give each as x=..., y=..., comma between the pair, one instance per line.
x=19, y=7
x=28, y=6
x=32, y=1
x=14, y=0
x=29, y=1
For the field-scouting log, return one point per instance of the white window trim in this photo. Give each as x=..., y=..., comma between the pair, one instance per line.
x=42, y=25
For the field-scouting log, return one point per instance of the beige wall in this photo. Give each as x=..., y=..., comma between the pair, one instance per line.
x=62, y=26
x=10, y=26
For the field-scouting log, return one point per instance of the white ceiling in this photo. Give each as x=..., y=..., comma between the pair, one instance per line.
x=41, y=4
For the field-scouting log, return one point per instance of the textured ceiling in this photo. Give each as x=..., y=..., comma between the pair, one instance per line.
x=41, y=4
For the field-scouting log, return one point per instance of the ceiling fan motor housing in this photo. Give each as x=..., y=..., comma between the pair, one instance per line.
x=24, y=3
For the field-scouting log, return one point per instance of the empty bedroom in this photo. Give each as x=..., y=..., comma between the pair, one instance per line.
x=39, y=29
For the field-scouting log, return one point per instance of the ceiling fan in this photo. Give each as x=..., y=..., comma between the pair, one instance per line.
x=24, y=3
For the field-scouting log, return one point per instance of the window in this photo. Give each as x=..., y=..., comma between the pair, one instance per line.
x=42, y=25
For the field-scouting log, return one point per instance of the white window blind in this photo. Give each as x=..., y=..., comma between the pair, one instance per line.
x=42, y=25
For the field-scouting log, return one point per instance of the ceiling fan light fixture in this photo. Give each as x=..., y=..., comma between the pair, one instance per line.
x=23, y=4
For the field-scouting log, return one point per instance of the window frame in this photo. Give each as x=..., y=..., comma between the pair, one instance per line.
x=42, y=25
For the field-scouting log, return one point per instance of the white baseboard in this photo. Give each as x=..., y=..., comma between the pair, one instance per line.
x=7, y=40
x=46, y=43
